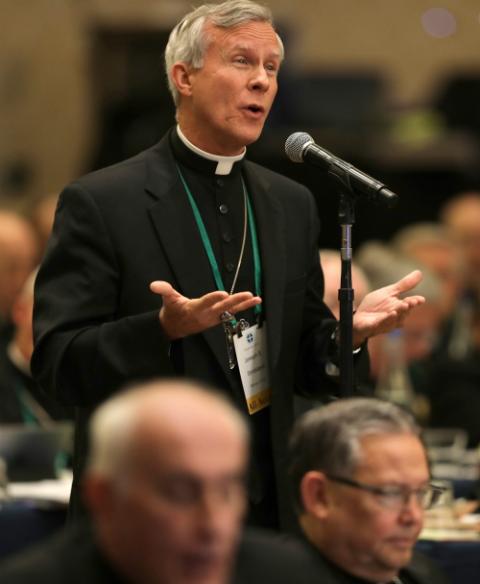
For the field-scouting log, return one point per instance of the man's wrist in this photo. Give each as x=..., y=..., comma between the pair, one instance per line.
x=357, y=344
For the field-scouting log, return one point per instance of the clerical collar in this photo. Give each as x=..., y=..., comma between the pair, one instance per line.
x=203, y=161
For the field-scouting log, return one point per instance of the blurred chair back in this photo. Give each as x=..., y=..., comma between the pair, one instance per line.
x=32, y=453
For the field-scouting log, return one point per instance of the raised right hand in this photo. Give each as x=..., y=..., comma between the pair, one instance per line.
x=181, y=316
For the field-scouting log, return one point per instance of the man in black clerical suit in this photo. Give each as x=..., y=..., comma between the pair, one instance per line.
x=154, y=261
x=165, y=484
x=361, y=483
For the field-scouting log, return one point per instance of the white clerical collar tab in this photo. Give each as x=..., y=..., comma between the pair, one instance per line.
x=224, y=163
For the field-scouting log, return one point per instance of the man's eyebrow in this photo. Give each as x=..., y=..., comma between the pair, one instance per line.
x=248, y=48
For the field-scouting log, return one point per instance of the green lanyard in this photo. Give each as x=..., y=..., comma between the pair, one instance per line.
x=208, y=246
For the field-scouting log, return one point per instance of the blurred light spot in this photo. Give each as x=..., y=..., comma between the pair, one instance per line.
x=439, y=22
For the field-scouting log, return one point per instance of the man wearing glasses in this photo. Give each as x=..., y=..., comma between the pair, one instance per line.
x=361, y=484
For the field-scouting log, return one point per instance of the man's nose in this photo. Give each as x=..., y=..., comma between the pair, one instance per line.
x=211, y=515
x=412, y=510
x=260, y=80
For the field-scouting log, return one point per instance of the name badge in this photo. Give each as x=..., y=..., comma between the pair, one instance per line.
x=251, y=354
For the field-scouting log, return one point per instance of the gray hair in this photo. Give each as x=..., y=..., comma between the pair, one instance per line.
x=327, y=438
x=423, y=233
x=188, y=42
x=113, y=426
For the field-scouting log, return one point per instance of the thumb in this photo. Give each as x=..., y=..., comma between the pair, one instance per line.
x=408, y=282
x=161, y=287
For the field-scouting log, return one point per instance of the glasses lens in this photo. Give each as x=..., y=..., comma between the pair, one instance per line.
x=425, y=497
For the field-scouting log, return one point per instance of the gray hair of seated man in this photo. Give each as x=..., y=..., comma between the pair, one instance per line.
x=188, y=42
x=114, y=423
x=383, y=265
x=328, y=438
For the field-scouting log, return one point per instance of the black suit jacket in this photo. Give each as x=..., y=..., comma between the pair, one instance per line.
x=73, y=557
x=420, y=570
x=96, y=322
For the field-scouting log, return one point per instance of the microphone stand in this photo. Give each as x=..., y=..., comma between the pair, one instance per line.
x=346, y=218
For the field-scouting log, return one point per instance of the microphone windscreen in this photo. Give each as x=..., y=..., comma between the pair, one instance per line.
x=295, y=144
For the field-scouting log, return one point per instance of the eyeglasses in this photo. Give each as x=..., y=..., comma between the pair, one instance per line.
x=395, y=497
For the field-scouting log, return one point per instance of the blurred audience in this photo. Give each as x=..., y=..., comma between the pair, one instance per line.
x=380, y=262
x=41, y=215
x=166, y=488
x=461, y=216
x=361, y=483
x=21, y=400
x=431, y=245
x=450, y=375
x=18, y=257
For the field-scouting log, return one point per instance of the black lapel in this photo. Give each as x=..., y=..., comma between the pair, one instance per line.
x=270, y=222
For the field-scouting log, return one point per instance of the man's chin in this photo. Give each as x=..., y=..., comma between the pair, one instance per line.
x=399, y=557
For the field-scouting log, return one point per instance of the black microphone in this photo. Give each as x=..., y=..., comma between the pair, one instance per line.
x=300, y=147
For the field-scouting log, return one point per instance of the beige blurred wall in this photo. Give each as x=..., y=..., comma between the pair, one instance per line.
x=46, y=109
x=384, y=34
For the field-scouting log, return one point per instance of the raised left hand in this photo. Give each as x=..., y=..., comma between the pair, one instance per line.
x=383, y=310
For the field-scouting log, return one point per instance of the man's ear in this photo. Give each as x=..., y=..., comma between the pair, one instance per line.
x=181, y=76
x=313, y=490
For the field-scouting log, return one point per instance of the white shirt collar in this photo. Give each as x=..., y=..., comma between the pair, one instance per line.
x=224, y=163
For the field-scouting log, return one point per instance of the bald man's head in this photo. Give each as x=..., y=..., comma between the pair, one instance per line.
x=166, y=482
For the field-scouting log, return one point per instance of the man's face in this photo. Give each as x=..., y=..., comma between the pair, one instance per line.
x=464, y=223
x=231, y=95
x=179, y=515
x=420, y=330
x=444, y=260
x=365, y=537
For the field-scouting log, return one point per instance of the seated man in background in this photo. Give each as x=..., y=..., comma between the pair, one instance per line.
x=393, y=356
x=18, y=256
x=361, y=482
x=166, y=488
x=21, y=400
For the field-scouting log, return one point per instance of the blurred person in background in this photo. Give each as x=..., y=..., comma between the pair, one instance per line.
x=432, y=245
x=361, y=483
x=41, y=215
x=332, y=269
x=166, y=487
x=380, y=262
x=417, y=339
x=450, y=375
x=461, y=217
x=21, y=400
x=18, y=257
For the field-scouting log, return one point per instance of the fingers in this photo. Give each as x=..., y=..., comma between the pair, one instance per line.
x=407, y=282
x=238, y=303
x=415, y=301
x=211, y=305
